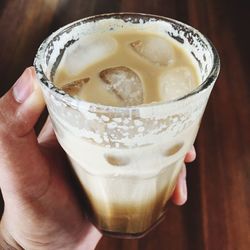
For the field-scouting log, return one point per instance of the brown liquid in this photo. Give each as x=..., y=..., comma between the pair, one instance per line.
x=124, y=217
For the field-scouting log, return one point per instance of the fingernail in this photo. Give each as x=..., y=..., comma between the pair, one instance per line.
x=184, y=190
x=193, y=151
x=23, y=87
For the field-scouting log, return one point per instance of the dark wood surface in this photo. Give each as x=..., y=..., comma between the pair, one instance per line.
x=217, y=214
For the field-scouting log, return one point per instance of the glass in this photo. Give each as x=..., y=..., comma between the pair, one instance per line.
x=127, y=159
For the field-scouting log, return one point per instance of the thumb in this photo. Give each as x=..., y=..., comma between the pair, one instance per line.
x=21, y=159
x=22, y=105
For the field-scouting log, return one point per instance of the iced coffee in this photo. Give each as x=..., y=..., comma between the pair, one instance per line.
x=125, y=110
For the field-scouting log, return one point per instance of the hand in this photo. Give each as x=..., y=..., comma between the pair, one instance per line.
x=41, y=210
x=179, y=196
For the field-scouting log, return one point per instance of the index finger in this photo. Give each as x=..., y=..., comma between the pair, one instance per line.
x=191, y=155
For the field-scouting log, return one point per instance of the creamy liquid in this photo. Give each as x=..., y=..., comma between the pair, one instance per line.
x=150, y=73
x=127, y=189
x=127, y=198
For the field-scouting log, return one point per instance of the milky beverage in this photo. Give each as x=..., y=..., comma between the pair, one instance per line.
x=127, y=188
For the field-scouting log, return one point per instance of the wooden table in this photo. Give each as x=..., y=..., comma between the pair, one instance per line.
x=217, y=214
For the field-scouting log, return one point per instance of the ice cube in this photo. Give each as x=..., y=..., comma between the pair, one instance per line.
x=176, y=82
x=86, y=51
x=73, y=88
x=155, y=49
x=125, y=83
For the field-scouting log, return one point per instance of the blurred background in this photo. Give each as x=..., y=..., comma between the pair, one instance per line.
x=217, y=214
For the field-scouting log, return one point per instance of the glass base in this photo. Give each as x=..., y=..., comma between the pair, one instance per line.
x=121, y=235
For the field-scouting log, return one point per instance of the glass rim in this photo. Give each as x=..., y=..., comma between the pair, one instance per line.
x=71, y=101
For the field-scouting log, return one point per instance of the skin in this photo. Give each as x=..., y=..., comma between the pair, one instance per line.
x=41, y=210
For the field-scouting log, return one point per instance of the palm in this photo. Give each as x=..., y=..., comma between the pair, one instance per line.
x=48, y=213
